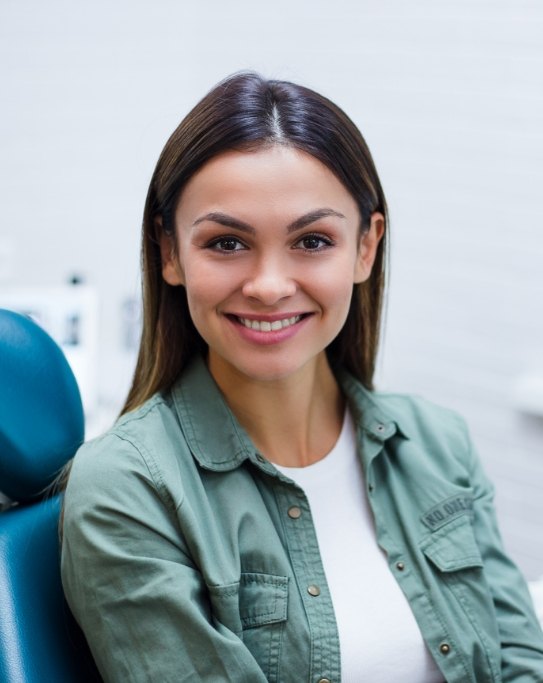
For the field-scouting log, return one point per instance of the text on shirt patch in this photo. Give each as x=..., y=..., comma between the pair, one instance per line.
x=447, y=510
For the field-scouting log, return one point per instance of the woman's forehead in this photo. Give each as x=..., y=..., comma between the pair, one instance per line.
x=277, y=178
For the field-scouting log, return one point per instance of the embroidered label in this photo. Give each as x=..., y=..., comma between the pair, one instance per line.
x=447, y=510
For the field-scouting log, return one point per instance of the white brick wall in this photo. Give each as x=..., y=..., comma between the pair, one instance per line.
x=465, y=316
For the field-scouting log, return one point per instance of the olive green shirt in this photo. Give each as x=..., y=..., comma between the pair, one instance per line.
x=188, y=557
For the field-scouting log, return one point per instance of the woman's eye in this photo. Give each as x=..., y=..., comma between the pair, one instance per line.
x=314, y=242
x=226, y=244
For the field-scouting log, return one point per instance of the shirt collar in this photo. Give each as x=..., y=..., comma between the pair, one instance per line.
x=219, y=443
x=214, y=436
x=369, y=413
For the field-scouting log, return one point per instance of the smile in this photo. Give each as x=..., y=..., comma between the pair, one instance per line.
x=267, y=326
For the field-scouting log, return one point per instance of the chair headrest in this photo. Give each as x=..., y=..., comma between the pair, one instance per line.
x=41, y=415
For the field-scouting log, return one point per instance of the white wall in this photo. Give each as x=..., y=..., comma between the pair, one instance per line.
x=448, y=95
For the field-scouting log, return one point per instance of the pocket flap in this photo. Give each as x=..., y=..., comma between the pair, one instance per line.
x=263, y=599
x=453, y=547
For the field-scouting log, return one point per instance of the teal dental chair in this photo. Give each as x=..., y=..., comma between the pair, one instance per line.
x=41, y=426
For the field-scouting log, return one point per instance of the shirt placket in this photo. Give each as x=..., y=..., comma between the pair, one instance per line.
x=432, y=625
x=303, y=549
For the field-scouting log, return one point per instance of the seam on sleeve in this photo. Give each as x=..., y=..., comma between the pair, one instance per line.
x=154, y=472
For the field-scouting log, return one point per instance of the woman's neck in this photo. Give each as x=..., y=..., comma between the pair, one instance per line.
x=294, y=421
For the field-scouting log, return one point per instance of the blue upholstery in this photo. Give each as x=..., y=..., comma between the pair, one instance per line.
x=41, y=425
x=41, y=418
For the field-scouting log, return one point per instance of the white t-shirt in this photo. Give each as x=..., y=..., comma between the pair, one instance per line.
x=379, y=638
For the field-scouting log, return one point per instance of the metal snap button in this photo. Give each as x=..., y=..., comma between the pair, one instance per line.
x=400, y=566
x=294, y=512
x=444, y=648
x=314, y=590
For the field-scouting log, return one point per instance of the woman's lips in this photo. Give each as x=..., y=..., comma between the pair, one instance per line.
x=267, y=329
x=268, y=325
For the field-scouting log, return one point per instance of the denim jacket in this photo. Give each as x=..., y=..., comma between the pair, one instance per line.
x=181, y=562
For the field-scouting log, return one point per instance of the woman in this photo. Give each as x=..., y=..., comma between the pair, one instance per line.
x=259, y=513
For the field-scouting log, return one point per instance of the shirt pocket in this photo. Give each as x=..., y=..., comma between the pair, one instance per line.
x=255, y=609
x=263, y=605
x=263, y=599
x=459, y=570
x=453, y=547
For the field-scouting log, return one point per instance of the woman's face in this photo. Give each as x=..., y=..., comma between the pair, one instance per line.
x=268, y=249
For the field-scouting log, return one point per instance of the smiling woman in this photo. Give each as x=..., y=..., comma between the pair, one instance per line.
x=259, y=512
x=268, y=246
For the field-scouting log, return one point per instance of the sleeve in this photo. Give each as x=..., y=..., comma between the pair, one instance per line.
x=520, y=632
x=129, y=581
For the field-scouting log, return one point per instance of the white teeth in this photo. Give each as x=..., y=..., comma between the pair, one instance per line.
x=266, y=326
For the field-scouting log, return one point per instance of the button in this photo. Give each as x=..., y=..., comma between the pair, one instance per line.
x=313, y=590
x=294, y=512
x=324, y=680
x=380, y=428
x=444, y=648
x=400, y=566
x=260, y=458
x=370, y=488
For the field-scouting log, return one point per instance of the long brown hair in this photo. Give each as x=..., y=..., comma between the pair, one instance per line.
x=246, y=112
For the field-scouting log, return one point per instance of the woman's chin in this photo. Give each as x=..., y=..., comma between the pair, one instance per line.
x=262, y=371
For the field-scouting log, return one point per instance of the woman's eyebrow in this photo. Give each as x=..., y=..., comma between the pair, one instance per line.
x=226, y=220
x=298, y=224
x=311, y=217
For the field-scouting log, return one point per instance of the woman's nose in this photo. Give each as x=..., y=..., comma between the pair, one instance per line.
x=269, y=282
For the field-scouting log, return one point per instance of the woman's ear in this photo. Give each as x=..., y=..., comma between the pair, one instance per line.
x=367, y=247
x=171, y=270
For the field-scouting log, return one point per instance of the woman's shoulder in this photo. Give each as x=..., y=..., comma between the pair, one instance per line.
x=431, y=430
x=412, y=414
x=136, y=428
x=425, y=426
x=415, y=413
x=146, y=442
x=431, y=437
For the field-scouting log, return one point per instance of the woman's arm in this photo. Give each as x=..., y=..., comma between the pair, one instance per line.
x=134, y=589
x=520, y=633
